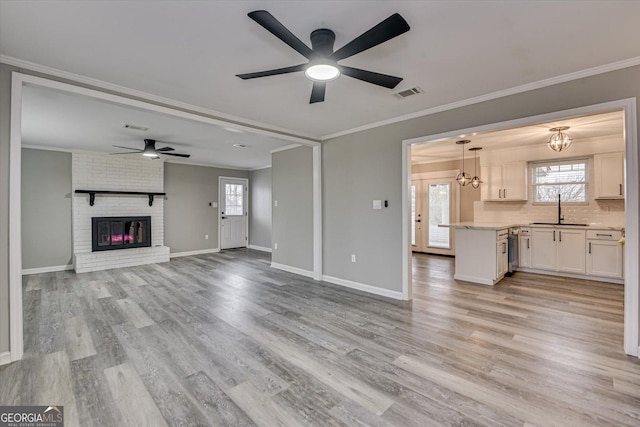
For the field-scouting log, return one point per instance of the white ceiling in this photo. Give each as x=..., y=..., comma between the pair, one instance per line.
x=581, y=129
x=190, y=51
x=61, y=120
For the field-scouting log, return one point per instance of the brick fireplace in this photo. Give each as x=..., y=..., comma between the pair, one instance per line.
x=117, y=173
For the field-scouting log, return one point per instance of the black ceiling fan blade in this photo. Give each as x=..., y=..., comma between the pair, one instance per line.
x=317, y=92
x=391, y=27
x=276, y=28
x=274, y=72
x=175, y=154
x=371, y=77
x=165, y=149
x=126, y=148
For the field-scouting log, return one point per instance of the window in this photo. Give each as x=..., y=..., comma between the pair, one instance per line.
x=233, y=199
x=568, y=178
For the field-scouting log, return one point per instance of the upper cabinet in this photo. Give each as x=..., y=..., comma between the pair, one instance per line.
x=504, y=182
x=609, y=176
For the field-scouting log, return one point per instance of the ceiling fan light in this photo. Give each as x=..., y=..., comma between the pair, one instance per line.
x=559, y=141
x=150, y=154
x=322, y=72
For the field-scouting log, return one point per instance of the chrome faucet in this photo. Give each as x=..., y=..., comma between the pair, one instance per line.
x=560, y=216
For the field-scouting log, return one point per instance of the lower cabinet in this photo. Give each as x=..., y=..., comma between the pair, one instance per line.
x=543, y=249
x=524, y=248
x=604, y=254
x=571, y=253
x=572, y=250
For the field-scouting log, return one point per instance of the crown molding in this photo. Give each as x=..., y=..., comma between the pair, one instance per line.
x=601, y=69
x=237, y=122
x=260, y=168
x=286, y=147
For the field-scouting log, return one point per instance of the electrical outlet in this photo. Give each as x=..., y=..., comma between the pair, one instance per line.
x=353, y=257
x=275, y=203
x=275, y=246
x=206, y=237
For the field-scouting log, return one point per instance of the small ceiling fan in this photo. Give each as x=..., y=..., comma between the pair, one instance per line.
x=150, y=150
x=323, y=61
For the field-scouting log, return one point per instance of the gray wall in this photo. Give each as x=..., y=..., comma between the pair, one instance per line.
x=292, y=177
x=468, y=194
x=367, y=164
x=187, y=214
x=46, y=208
x=260, y=208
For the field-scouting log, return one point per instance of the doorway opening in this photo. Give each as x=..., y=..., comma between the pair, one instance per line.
x=512, y=152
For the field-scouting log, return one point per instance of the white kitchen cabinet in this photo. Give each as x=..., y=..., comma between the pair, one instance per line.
x=504, y=182
x=604, y=254
x=608, y=175
x=524, y=248
x=570, y=250
x=544, y=249
x=481, y=254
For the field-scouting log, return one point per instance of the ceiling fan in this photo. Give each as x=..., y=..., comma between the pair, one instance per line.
x=151, y=151
x=323, y=61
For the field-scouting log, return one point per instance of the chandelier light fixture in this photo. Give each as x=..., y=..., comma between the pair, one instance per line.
x=475, y=181
x=559, y=141
x=463, y=178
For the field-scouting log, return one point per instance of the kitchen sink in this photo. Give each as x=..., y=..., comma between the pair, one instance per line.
x=555, y=223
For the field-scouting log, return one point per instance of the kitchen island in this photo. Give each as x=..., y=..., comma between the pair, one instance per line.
x=583, y=251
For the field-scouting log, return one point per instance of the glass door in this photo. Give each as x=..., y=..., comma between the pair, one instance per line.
x=433, y=202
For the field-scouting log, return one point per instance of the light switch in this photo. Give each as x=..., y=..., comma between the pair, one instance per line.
x=275, y=203
x=377, y=204
x=213, y=204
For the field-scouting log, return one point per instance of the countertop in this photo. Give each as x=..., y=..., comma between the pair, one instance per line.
x=501, y=225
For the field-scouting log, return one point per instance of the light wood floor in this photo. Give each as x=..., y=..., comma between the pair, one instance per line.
x=222, y=339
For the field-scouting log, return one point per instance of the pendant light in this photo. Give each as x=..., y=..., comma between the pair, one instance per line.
x=463, y=178
x=475, y=181
x=559, y=141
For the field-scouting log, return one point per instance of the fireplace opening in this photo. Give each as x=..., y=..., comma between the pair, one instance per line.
x=109, y=233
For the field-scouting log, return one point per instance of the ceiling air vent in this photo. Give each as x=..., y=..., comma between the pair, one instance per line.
x=408, y=92
x=134, y=127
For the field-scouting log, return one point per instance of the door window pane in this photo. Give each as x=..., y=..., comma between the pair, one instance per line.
x=234, y=198
x=439, y=211
x=413, y=215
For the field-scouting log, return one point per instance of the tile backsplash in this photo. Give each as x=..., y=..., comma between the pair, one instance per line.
x=605, y=212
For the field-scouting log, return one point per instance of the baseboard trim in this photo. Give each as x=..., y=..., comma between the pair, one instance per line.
x=363, y=287
x=191, y=253
x=51, y=269
x=294, y=270
x=473, y=279
x=571, y=275
x=5, y=358
x=259, y=248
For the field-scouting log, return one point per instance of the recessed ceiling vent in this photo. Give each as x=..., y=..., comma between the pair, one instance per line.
x=408, y=92
x=134, y=127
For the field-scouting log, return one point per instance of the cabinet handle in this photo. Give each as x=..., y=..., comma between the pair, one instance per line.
x=504, y=193
x=589, y=247
x=560, y=232
x=528, y=243
x=499, y=193
x=604, y=235
x=504, y=248
x=554, y=235
x=621, y=189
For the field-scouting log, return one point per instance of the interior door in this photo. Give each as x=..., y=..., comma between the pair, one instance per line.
x=233, y=213
x=432, y=203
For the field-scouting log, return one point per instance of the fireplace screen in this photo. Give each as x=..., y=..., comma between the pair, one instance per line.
x=120, y=232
